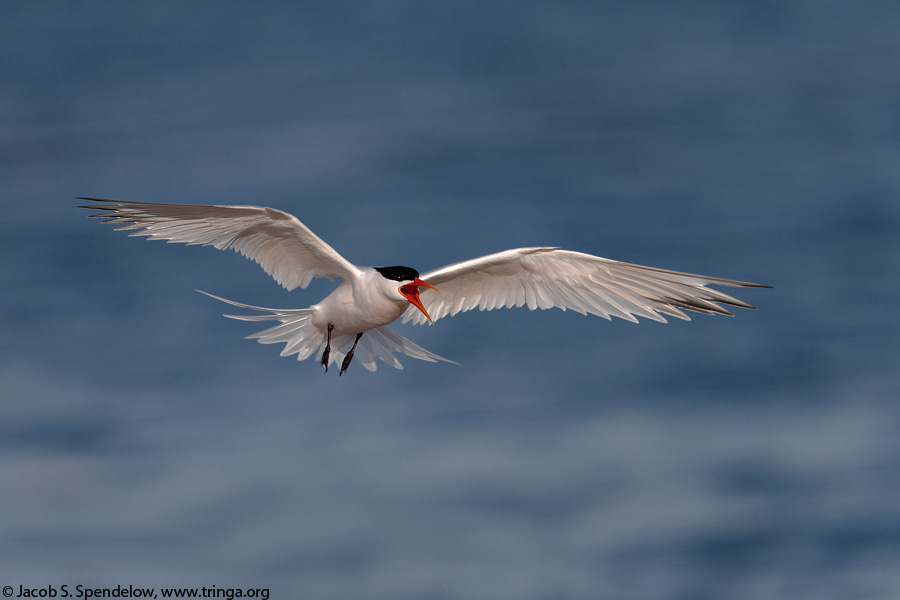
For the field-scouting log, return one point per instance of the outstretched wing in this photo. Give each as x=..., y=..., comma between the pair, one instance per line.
x=283, y=246
x=553, y=278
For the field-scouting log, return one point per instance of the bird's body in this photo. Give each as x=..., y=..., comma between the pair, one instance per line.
x=370, y=298
x=361, y=304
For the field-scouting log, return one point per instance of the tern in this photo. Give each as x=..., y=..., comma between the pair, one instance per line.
x=353, y=319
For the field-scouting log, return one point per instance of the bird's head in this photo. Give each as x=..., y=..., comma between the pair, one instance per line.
x=409, y=278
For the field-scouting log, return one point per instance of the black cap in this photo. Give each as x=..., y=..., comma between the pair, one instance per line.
x=398, y=273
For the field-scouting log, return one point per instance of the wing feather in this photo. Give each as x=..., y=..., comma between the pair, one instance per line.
x=284, y=247
x=553, y=278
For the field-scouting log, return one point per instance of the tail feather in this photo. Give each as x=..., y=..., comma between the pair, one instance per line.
x=304, y=339
x=390, y=339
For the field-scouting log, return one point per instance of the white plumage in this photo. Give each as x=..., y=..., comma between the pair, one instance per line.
x=370, y=298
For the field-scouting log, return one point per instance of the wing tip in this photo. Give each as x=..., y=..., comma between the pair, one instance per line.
x=746, y=284
x=92, y=199
x=94, y=206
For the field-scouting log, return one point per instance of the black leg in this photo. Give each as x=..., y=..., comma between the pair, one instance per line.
x=327, y=352
x=349, y=356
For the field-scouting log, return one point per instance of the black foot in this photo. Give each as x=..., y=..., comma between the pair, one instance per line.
x=349, y=356
x=327, y=353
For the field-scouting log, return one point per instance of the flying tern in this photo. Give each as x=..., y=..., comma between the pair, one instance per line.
x=353, y=319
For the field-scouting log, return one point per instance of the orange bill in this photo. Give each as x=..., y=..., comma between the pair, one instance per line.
x=410, y=291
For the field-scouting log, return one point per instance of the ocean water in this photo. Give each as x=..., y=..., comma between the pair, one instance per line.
x=143, y=442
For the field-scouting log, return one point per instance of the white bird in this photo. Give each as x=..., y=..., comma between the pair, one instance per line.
x=369, y=298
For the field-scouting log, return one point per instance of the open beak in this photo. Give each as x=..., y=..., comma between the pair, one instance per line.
x=410, y=291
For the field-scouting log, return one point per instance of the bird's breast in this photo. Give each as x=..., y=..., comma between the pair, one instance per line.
x=357, y=310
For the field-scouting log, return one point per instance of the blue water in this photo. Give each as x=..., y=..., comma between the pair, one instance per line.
x=143, y=442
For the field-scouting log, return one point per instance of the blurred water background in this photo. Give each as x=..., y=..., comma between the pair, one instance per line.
x=143, y=442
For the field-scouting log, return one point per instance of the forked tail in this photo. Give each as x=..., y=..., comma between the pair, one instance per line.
x=304, y=339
